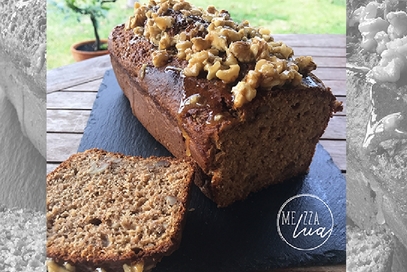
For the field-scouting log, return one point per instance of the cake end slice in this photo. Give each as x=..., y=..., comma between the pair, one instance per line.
x=113, y=212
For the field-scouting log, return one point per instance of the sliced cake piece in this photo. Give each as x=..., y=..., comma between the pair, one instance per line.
x=112, y=212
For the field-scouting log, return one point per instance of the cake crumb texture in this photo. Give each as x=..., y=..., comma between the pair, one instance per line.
x=22, y=240
x=23, y=36
x=106, y=209
x=368, y=250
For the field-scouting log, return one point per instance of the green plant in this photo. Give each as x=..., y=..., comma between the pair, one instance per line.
x=95, y=9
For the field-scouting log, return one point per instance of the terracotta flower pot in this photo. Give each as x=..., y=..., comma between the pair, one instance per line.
x=80, y=55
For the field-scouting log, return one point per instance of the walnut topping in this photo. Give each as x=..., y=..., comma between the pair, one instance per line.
x=135, y=267
x=212, y=69
x=160, y=58
x=243, y=93
x=182, y=5
x=196, y=63
x=305, y=64
x=200, y=44
x=229, y=75
x=163, y=22
x=212, y=42
x=241, y=50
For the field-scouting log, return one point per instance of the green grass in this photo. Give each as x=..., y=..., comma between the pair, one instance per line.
x=280, y=16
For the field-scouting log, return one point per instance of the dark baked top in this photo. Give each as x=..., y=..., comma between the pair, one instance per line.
x=209, y=44
x=210, y=100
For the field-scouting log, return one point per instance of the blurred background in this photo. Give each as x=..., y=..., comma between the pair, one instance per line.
x=284, y=16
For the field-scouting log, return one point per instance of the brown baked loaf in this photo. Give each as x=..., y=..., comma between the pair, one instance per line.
x=115, y=212
x=224, y=94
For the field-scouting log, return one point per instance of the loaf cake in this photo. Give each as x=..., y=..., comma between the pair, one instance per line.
x=221, y=93
x=114, y=212
x=377, y=117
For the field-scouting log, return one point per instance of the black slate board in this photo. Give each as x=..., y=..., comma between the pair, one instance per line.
x=244, y=236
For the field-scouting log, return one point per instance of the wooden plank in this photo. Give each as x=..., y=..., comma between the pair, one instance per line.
x=71, y=100
x=77, y=73
x=92, y=86
x=338, y=74
x=337, y=150
x=71, y=121
x=320, y=51
x=326, y=40
x=51, y=166
x=338, y=87
x=336, y=129
x=61, y=145
x=339, y=62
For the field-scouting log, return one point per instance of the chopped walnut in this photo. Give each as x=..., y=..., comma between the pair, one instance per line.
x=259, y=49
x=165, y=41
x=212, y=69
x=230, y=34
x=163, y=8
x=305, y=64
x=253, y=78
x=182, y=5
x=196, y=63
x=211, y=10
x=230, y=59
x=241, y=50
x=131, y=23
x=281, y=50
x=182, y=46
x=215, y=44
x=164, y=22
x=229, y=75
x=193, y=69
x=217, y=41
x=243, y=93
x=138, y=30
x=200, y=44
x=159, y=57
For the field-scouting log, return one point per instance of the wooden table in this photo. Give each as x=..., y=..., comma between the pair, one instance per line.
x=72, y=89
